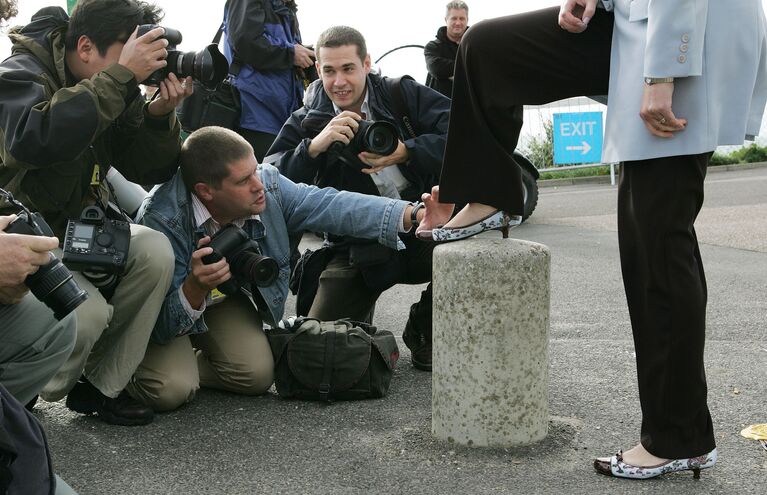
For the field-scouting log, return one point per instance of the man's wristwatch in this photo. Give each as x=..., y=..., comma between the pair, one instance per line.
x=657, y=80
x=414, y=213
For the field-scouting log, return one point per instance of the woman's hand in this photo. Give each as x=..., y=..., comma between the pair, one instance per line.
x=574, y=15
x=656, y=110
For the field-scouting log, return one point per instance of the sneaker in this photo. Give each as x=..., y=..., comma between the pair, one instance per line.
x=123, y=410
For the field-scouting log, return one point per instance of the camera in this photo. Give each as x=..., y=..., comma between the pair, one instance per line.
x=98, y=247
x=379, y=137
x=208, y=66
x=52, y=283
x=246, y=263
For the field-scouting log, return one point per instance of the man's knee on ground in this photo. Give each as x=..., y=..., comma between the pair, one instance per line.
x=167, y=394
x=252, y=378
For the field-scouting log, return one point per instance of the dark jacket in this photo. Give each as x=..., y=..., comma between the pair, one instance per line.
x=440, y=62
x=55, y=131
x=428, y=111
x=261, y=34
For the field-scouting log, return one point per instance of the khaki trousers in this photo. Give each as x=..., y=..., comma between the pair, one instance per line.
x=233, y=355
x=112, y=335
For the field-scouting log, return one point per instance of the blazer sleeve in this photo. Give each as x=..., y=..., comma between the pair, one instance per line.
x=675, y=36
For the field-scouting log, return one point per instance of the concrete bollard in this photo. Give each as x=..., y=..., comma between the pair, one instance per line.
x=490, y=344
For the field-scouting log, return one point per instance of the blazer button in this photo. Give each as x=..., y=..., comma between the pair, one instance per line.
x=685, y=38
x=682, y=59
x=684, y=47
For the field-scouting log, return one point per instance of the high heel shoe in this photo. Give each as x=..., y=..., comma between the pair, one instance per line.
x=614, y=466
x=498, y=220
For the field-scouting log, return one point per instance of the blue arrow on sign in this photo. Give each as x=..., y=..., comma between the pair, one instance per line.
x=577, y=137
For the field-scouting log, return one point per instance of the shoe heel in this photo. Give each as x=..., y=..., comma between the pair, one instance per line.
x=505, y=231
x=696, y=473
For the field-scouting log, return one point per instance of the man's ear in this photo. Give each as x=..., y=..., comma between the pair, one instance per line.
x=203, y=191
x=86, y=48
x=366, y=64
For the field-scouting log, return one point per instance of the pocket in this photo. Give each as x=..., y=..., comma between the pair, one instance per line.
x=638, y=10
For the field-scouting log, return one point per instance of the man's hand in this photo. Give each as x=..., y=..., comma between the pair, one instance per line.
x=303, y=57
x=380, y=162
x=574, y=15
x=656, y=110
x=145, y=54
x=172, y=92
x=204, y=278
x=21, y=255
x=341, y=128
x=435, y=214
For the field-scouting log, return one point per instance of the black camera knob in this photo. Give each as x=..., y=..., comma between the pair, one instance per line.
x=104, y=239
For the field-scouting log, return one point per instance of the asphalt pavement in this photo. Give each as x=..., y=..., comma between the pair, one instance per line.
x=227, y=444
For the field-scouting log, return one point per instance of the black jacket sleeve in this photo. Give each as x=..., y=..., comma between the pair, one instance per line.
x=430, y=112
x=291, y=148
x=246, y=28
x=438, y=66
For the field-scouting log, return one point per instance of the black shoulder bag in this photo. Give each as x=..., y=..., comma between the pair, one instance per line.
x=219, y=106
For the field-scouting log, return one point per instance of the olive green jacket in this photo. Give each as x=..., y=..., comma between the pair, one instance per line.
x=54, y=132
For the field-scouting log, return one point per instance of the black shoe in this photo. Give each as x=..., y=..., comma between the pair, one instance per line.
x=124, y=410
x=419, y=345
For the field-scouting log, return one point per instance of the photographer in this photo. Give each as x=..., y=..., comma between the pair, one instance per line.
x=348, y=92
x=220, y=183
x=71, y=108
x=263, y=43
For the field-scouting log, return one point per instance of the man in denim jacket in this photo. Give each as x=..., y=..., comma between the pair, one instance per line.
x=220, y=182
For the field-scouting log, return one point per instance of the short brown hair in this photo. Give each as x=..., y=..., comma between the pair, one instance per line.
x=456, y=6
x=342, y=36
x=207, y=153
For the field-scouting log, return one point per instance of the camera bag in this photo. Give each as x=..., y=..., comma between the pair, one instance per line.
x=332, y=360
x=219, y=106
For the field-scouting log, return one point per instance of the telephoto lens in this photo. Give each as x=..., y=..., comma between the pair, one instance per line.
x=380, y=137
x=52, y=283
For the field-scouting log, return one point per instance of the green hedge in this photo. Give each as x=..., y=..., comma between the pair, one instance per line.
x=747, y=154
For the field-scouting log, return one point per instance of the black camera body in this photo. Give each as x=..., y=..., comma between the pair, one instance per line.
x=246, y=263
x=52, y=283
x=96, y=244
x=208, y=66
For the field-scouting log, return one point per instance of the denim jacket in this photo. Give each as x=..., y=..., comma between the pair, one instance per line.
x=290, y=207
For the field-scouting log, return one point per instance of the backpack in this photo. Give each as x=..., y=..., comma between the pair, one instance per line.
x=25, y=460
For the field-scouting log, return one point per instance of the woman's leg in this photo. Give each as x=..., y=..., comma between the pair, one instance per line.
x=658, y=201
x=503, y=64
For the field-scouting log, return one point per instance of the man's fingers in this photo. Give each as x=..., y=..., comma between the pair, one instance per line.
x=152, y=35
x=41, y=244
x=6, y=220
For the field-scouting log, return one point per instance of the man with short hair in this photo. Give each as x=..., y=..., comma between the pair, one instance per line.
x=70, y=108
x=219, y=183
x=440, y=53
x=306, y=150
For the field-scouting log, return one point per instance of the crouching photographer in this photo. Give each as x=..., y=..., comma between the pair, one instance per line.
x=70, y=110
x=228, y=220
x=362, y=132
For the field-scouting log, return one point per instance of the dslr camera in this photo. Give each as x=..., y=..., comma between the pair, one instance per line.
x=246, y=263
x=52, y=283
x=380, y=137
x=208, y=66
x=98, y=247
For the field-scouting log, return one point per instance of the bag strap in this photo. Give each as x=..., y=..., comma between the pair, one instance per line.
x=217, y=37
x=327, y=364
x=398, y=100
x=236, y=65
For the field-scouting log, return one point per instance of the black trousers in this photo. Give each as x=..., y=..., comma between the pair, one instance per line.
x=508, y=62
x=261, y=141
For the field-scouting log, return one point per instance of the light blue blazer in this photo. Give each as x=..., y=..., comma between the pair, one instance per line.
x=716, y=50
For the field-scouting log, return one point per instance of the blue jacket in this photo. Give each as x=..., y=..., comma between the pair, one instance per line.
x=261, y=35
x=291, y=208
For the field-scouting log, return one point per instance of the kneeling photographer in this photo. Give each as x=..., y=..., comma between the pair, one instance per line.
x=71, y=109
x=228, y=219
x=362, y=132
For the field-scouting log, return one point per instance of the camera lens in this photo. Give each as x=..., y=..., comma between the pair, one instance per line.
x=255, y=268
x=208, y=66
x=53, y=284
x=380, y=137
